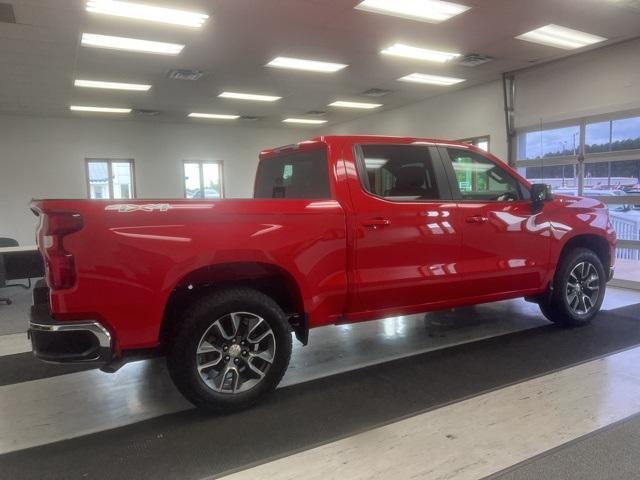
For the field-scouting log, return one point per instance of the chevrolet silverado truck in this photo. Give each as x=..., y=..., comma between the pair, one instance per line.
x=341, y=229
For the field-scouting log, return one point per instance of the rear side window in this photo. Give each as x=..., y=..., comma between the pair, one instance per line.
x=399, y=172
x=301, y=174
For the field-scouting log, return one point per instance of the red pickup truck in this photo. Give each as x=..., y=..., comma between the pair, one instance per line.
x=341, y=229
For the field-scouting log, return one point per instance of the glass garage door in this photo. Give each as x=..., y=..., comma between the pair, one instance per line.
x=595, y=157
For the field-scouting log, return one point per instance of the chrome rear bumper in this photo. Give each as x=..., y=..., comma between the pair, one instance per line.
x=66, y=342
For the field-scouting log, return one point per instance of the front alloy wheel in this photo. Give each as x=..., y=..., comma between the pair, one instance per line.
x=578, y=289
x=583, y=287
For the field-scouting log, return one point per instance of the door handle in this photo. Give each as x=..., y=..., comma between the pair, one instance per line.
x=476, y=219
x=376, y=222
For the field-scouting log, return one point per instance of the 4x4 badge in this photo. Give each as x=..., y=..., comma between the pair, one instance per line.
x=128, y=207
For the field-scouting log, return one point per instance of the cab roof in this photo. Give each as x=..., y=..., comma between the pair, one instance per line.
x=341, y=139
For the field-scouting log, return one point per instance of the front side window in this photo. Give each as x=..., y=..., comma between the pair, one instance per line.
x=294, y=174
x=203, y=179
x=110, y=179
x=399, y=172
x=479, y=178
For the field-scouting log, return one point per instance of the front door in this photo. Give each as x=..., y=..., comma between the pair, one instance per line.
x=505, y=244
x=407, y=239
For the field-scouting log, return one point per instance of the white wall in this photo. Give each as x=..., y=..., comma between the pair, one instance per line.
x=602, y=81
x=44, y=157
x=471, y=112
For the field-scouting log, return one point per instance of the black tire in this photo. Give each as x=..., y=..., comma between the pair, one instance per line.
x=182, y=356
x=557, y=308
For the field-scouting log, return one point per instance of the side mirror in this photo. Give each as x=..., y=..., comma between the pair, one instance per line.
x=540, y=193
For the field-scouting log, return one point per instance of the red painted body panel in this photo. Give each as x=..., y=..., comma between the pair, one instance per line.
x=409, y=263
x=129, y=263
x=130, y=257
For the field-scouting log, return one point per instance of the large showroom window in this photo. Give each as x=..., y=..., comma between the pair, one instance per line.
x=555, y=142
x=596, y=157
x=110, y=179
x=203, y=179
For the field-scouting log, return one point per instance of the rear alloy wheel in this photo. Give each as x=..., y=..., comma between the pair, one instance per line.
x=236, y=352
x=578, y=289
x=232, y=347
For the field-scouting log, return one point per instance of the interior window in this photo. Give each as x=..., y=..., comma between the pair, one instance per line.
x=479, y=178
x=301, y=174
x=399, y=172
x=108, y=179
x=202, y=179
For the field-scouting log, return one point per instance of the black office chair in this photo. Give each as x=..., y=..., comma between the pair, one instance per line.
x=9, y=242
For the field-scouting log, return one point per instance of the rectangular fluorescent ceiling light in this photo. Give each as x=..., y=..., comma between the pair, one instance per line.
x=432, y=11
x=560, y=37
x=130, y=44
x=249, y=96
x=304, y=121
x=136, y=87
x=215, y=116
x=361, y=105
x=79, y=108
x=147, y=12
x=407, y=51
x=307, y=65
x=431, y=79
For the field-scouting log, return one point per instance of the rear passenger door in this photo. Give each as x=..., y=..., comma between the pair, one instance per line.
x=408, y=235
x=505, y=244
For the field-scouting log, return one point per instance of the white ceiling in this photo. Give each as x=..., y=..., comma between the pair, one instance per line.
x=40, y=55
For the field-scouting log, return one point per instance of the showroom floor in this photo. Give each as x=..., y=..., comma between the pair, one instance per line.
x=460, y=394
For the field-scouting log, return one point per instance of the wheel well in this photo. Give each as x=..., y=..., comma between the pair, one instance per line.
x=268, y=279
x=594, y=243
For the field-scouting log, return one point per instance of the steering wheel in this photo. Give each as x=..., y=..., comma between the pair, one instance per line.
x=507, y=197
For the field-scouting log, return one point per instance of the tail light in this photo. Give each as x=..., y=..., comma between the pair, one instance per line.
x=60, y=264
